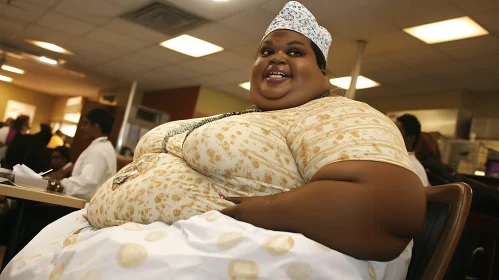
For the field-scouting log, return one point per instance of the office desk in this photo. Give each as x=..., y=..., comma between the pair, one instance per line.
x=23, y=195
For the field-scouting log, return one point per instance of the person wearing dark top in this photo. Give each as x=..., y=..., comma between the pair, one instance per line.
x=37, y=156
x=16, y=141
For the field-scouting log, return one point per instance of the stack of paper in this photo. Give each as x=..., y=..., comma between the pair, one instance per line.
x=24, y=171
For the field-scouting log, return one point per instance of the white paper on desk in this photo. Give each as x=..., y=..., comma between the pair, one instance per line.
x=24, y=171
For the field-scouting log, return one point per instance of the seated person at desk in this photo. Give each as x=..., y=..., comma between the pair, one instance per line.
x=410, y=127
x=96, y=164
x=61, y=163
x=428, y=153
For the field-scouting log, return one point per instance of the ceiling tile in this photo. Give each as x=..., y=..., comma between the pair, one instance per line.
x=320, y=9
x=165, y=73
x=115, y=39
x=136, y=31
x=10, y=26
x=478, y=82
x=341, y=49
x=391, y=42
x=130, y=4
x=183, y=83
x=359, y=24
x=89, y=47
x=144, y=60
x=235, y=90
x=203, y=67
x=220, y=35
x=484, y=64
x=65, y=24
x=394, y=78
x=252, y=21
x=226, y=78
x=380, y=63
x=231, y=60
x=417, y=56
x=447, y=70
x=489, y=21
x=406, y=13
x=87, y=60
x=477, y=6
x=163, y=54
x=472, y=47
x=19, y=10
x=248, y=51
x=340, y=68
x=91, y=11
x=37, y=32
x=43, y=3
x=215, y=10
x=119, y=68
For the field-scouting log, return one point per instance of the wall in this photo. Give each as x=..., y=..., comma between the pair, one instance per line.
x=58, y=109
x=44, y=103
x=483, y=105
x=179, y=103
x=211, y=102
x=449, y=100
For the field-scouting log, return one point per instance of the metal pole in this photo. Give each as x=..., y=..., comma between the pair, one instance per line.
x=356, y=69
x=125, y=117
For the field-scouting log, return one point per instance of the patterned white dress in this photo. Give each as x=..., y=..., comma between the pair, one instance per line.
x=158, y=215
x=244, y=155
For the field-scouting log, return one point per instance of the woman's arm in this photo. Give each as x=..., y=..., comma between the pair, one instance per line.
x=368, y=210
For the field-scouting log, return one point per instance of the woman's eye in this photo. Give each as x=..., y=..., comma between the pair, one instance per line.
x=294, y=53
x=266, y=52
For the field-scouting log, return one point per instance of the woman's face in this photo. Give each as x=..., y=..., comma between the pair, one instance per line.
x=58, y=160
x=285, y=73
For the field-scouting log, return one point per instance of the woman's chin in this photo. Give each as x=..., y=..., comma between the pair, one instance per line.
x=274, y=94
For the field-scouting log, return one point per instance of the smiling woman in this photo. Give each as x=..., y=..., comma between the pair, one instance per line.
x=306, y=161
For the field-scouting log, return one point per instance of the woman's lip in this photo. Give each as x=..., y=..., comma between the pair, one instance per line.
x=276, y=80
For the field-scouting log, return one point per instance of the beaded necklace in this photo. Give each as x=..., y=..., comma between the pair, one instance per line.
x=191, y=127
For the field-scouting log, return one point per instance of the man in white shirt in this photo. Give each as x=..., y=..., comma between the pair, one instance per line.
x=96, y=164
x=410, y=127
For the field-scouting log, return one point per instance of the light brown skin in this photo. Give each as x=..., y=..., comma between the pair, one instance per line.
x=368, y=210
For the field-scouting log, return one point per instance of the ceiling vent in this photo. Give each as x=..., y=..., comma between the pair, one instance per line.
x=165, y=18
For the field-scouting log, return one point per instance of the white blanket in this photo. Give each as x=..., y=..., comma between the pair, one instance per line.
x=208, y=246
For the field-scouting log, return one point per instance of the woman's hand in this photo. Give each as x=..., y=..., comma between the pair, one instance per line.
x=54, y=185
x=253, y=210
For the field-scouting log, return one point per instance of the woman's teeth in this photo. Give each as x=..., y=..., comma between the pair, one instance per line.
x=276, y=75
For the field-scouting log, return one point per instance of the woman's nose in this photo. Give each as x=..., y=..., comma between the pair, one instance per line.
x=278, y=58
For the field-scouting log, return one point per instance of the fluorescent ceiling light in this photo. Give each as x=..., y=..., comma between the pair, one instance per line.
x=15, y=55
x=479, y=173
x=191, y=46
x=48, y=60
x=12, y=69
x=362, y=82
x=447, y=30
x=5, y=78
x=49, y=46
x=245, y=85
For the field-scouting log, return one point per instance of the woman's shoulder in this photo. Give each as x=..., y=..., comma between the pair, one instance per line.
x=339, y=106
